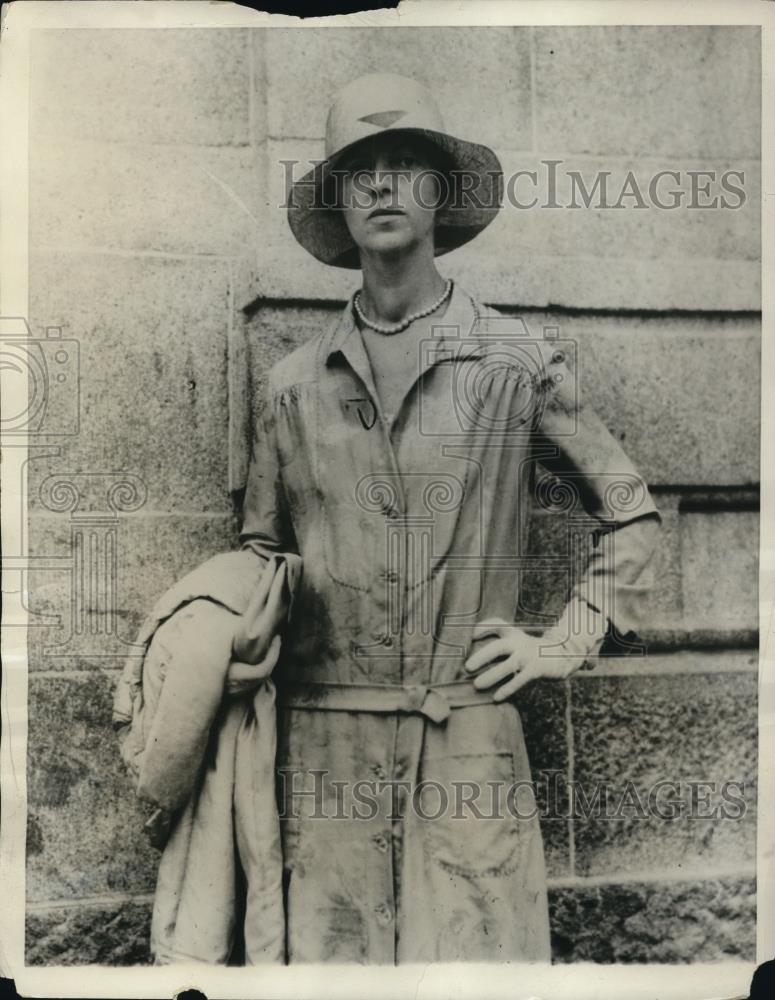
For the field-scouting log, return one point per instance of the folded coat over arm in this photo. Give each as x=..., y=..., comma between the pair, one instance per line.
x=205, y=764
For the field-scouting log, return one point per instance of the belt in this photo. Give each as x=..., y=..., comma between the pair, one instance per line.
x=435, y=701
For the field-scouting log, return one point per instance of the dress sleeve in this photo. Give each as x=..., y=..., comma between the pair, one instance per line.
x=266, y=524
x=573, y=443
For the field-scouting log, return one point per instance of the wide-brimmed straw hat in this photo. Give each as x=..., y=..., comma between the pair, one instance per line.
x=374, y=105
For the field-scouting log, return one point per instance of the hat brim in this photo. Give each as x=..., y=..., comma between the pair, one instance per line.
x=322, y=230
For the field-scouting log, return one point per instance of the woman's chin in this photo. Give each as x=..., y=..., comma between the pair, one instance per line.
x=388, y=244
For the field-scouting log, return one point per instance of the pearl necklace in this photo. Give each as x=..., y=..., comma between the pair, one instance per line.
x=398, y=327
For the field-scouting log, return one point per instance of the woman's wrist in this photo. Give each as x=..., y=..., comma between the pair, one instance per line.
x=580, y=632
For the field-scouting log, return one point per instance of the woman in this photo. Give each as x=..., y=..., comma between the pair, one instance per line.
x=396, y=457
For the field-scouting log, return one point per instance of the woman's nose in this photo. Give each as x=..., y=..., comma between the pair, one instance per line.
x=382, y=175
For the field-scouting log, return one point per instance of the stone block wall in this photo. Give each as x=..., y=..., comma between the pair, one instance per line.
x=157, y=243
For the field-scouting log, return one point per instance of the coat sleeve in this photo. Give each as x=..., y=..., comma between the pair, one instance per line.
x=183, y=678
x=594, y=471
x=266, y=527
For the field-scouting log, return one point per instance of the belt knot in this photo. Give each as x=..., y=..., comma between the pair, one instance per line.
x=429, y=702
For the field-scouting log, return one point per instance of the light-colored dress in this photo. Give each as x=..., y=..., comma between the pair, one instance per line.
x=411, y=530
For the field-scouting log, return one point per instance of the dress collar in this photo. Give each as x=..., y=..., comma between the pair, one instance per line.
x=456, y=332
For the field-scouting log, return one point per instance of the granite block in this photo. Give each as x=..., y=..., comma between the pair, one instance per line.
x=149, y=555
x=542, y=709
x=338, y=55
x=668, y=922
x=674, y=760
x=681, y=394
x=152, y=402
x=657, y=90
x=496, y=269
x=145, y=197
x=90, y=934
x=592, y=212
x=87, y=826
x=720, y=569
x=172, y=86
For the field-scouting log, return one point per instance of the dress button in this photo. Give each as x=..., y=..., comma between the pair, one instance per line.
x=391, y=576
x=384, y=913
x=379, y=771
x=381, y=842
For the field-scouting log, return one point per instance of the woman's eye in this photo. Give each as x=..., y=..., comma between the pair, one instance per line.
x=403, y=161
x=355, y=164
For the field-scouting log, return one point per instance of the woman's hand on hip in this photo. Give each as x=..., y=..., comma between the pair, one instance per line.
x=511, y=658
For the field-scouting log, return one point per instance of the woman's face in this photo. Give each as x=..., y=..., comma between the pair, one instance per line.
x=390, y=193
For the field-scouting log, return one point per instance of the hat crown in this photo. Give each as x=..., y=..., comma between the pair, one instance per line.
x=370, y=106
x=375, y=103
